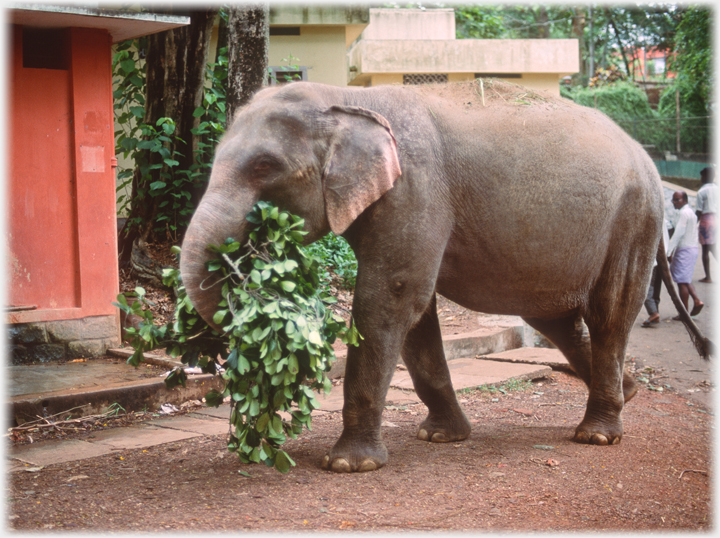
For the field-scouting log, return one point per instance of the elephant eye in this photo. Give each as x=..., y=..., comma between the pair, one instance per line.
x=265, y=166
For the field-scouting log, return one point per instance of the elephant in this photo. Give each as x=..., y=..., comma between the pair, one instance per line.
x=501, y=199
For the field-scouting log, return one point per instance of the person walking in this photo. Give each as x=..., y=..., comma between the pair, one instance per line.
x=706, y=207
x=652, y=301
x=683, y=252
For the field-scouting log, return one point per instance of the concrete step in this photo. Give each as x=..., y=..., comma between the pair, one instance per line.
x=533, y=355
x=90, y=388
x=493, y=338
x=471, y=373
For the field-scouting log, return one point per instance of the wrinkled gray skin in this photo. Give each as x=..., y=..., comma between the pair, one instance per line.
x=544, y=210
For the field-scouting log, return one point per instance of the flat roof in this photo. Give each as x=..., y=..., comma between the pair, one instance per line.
x=122, y=25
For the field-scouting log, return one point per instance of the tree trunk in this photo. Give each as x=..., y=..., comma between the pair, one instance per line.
x=543, y=27
x=175, y=63
x=248, y=43
x=618, y=37
x=578, y=32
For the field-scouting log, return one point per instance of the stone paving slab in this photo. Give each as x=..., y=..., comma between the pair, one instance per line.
x=132, y=437
x=468, y=373
x=82, y=375
x=51, y=452
x=533, y=355
x=222, y=412
x=203, y=426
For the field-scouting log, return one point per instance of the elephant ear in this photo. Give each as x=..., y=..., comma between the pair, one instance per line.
x=362, y=164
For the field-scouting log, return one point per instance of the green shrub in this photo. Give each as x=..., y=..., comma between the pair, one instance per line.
x=620, y=100
x=336, y=255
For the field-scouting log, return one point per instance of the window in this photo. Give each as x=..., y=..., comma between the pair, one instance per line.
x=424, y=79
x=46, y=48
x=283, y=75
x=284, y=30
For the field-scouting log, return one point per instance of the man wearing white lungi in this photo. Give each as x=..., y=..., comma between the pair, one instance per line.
x=683, y=252
x=707, y=201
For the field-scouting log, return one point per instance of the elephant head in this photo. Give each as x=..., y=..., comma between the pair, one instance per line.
x=313, y=156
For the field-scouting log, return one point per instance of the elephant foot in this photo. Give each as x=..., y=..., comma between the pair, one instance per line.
x=630, y=387
x=354, y=457
x=590, y=433
x=443, y=430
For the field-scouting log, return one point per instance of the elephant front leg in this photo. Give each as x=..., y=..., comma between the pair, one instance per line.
x=367, y=378
x=425, y=358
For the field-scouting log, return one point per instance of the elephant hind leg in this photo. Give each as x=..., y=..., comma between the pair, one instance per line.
x=425, y=359
x=601, y=424
x=570, y=335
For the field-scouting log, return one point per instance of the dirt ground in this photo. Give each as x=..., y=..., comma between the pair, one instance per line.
x=518, y=471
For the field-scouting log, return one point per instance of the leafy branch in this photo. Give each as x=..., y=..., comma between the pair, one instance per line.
x=277, y=333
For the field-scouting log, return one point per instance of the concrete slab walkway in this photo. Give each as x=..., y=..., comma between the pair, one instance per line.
x=465, y=373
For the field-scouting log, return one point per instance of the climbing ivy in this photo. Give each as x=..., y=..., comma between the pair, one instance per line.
x=277, y=332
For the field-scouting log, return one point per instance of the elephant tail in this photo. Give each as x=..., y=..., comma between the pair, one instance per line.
x=703, y=345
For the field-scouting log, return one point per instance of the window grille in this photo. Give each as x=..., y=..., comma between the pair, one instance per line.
x=283, y=75
x=424, y=79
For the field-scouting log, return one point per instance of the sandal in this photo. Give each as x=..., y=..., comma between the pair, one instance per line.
x=677, y=318
x=651, y=321
x=697, y=307
x=706, y=280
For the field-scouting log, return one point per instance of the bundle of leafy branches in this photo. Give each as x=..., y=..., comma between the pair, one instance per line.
x=276, y=346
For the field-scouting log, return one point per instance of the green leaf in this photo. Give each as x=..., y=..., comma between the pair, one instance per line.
x=175, y=378
x=232, y=359
x=219, y=317
x=288, y=286
x=214, y=398
x=315, y=338
x=262, y=422
x=283, y=462
x=128, y=66
x=243, y=365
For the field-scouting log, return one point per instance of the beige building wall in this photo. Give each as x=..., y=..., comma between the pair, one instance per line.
x=410, y=24
x=536, y=63
x=321, y=49
x=401, y=42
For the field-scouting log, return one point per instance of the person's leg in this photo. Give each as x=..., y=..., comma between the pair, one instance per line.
x=684, y=293
x=697, y=303
x=706, y=262
x=652, y=300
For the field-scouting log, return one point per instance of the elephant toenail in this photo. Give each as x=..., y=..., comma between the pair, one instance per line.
x=599, y=439
x=616, y=440
x=439, y=437
x=341, y=465
x=423, y=435
x=326, y=462
x=367, y=465
x=581, y=437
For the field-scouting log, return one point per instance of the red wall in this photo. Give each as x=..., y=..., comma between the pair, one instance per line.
x=62, y=230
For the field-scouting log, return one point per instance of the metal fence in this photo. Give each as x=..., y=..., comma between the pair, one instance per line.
x=675, y=135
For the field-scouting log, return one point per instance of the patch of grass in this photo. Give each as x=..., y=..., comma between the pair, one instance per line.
x=514, y=385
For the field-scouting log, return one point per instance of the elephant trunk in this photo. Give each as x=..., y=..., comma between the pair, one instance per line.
x=217, y=217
